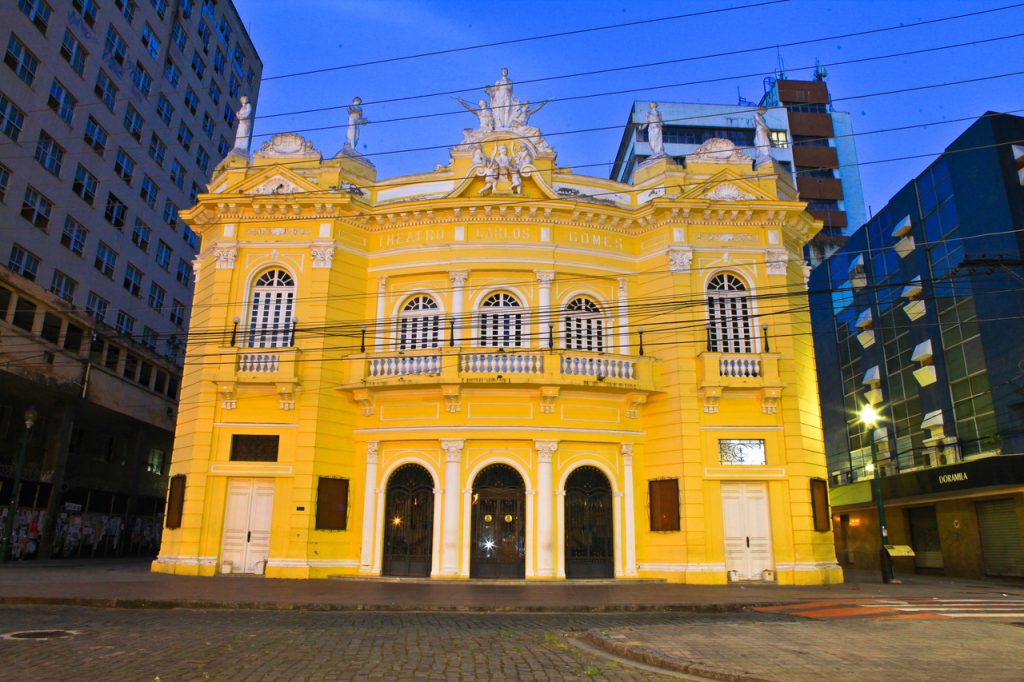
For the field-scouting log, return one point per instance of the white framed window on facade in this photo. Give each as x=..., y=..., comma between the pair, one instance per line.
x=729, y=327
x=271, y=315
x=419, y=324
x=583, y=326
x=500, y=322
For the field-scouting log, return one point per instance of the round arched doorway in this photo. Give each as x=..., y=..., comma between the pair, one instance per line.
x=589, y=529
x=409, y=522
x=498, y=545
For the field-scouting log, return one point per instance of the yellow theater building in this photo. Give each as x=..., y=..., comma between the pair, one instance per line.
x=500, y=368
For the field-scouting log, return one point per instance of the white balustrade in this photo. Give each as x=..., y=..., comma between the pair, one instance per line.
x=405, y=364
x=583, y=365
x=259, y=363
x=502, y=363
x=739, y=366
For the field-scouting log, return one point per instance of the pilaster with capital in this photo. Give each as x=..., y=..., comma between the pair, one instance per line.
x=545, y=316
x=382, y=289
x=450, y=526
x=623, y=317
x=545, y=508
x=628, y=499
x=458, y=278
x=369, y=504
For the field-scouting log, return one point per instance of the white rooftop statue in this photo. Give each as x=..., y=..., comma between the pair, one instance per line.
x=355, y=121
x=244, y=114
x=504, y=112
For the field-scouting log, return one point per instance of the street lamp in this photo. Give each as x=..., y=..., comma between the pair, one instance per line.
x=869, y=416
x=7, y=540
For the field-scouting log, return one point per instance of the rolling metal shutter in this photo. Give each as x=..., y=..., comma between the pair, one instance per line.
x=1000, y=538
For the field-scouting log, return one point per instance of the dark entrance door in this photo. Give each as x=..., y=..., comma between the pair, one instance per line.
x=589, y=544
x=498, y=548
x=408, y=522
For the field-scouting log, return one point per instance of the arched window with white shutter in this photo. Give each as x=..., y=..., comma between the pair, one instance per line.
x=729, y=328
x=500, y=322
x=272, y=310
x=583, y=326
x=419, y=324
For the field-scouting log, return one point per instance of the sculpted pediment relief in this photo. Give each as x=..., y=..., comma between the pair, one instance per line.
x=718, y=150
x=727, y=191
x=276, y=185
x=287, y=145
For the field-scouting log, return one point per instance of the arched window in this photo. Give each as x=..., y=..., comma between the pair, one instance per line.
x=583, y=326
x=419, y=324
x=729, y=316
x=501, y=322
x=272, y=313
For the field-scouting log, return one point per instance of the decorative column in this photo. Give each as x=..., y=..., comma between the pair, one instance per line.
x=627, y=482
x=545, y=316
x=545, y=507
x=458, y=278
x=369, y=493
x=382, y=286
x=623, y=318
x=450, y=531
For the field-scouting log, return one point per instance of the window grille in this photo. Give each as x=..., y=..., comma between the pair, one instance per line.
x=419, y=324
x=729, y=328
x=271, y=315
x=584, y=327
x=501, y=322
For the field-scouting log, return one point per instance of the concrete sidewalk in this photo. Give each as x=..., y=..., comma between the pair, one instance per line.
x=129, y=584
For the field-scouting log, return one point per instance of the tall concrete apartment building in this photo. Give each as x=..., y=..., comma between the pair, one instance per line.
x=921, y=314
x=810, y=139
x=113, y=114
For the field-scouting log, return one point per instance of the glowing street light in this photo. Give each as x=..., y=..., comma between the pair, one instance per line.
x=869, y=416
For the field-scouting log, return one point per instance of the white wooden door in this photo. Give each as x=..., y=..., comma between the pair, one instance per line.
x=247, y=520
x=748, y=541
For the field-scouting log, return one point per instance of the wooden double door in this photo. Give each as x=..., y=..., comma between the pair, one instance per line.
x=409, y=523
x=589, y=527
x=498, y=533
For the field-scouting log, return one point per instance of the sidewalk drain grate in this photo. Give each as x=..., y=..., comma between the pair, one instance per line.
x=40, y=634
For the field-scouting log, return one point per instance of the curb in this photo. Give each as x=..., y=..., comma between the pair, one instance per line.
x=640, y=654
x=213, y=604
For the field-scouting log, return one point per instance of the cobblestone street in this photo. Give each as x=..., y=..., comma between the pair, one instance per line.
x=274, y=645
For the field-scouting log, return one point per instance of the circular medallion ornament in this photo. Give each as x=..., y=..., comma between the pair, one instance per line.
x=508, y=518
x=488, y=518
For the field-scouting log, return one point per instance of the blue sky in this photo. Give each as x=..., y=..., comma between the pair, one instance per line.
x=321, y=33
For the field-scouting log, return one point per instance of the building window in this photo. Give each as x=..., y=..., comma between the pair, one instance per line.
x=73, y=237
x=219, y=61
x=96, y=306
x=5, y=181
x=501, y=322
x=186, y=8
x=184, y=272
x=95, y=136
x=157, y=150
x=149, y=339
x=84, y=185
x=150, y=42
x=779, y=138
x=745, y=452
x=177, y=174
x=24, y=314
x=11, y=118
x=160, y=6
x=124, y=165
x=222, y=147
x=140, y=235
x=61, y=101
x=198, y=65
x=141, y=79
x=36, y=208
x=185, y=136
x=124, y=324
x=177, y=316
x=729, y=316
x=116, y=210
x=271, y=314
x=170, y=214
x=115, y=47
x=132, y=280
x=202, y=159
x=156, y=296
x=249, y=448
x=164, y=109
x=191, y=100
x=208, y=124
x=106, y=259
x=155, y=461
x=23, y=262
x=20, y=60
x=819, y=505
x=178, y=37
x=133, y=122
x=584, y=328
x=63, y=286
x=49, y=154
x=73, y=53
x=204, y=34
x=149, y=191
x=419, y=324
x=37, y=11
x=105, y=89
x=229, y=115
x=664, y=502
x=175, y=502
x=87, y=9
x=163, y=255
x=172, y=73
x=214, y=92
x=331, y=503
